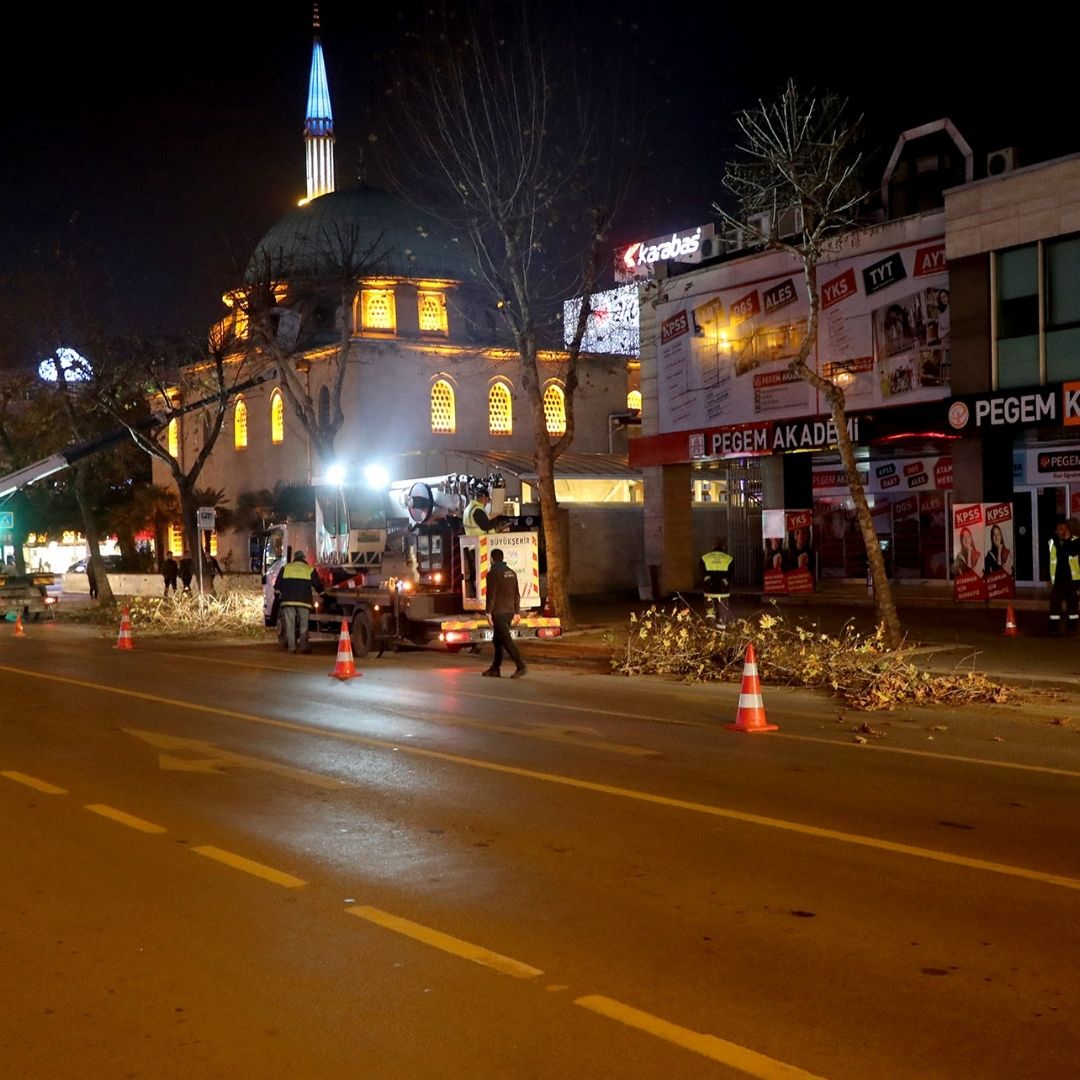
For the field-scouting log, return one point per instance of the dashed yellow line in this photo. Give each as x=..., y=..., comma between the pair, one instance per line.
x=125, y=819
x=249, y=866
x=32, y=782
x=835, y=835
x=727, y=1053
x=437, y=939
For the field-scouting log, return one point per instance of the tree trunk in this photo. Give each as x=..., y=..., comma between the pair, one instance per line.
x=90, y=529
x=883, y=600
x=551, y=522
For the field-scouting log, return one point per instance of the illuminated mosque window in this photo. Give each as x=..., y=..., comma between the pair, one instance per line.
x=431, y=307
x=443, y=418
x=377, y=309
x=174, y=437
x=240, y=425
x=633, y=401
x=500, y=410
x=277, y=417
x=555, y=410
x=176, y=539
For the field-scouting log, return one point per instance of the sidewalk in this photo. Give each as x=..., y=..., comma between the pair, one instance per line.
x=949, y=637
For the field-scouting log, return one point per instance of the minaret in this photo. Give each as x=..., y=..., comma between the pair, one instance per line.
x=319, y=125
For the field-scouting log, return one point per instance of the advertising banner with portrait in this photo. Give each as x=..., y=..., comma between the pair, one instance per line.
x=969, y=522
x=790, y=558
x=884, y=336
x=998, y=570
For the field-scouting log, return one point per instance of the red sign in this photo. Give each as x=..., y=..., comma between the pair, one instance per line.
x=800, y=581
x=905, y=508
x=930, y=260
x=1074, y=502
x=969, y=588
x=775, y=581
x=943, y=474
x=798, y=519
x=967, y=515
x=998, y=513
x=674, y=327
x=840, y=288
x=1000, y=585
x=744, y=307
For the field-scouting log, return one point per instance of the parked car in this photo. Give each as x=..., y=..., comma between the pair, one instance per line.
x=112, y=562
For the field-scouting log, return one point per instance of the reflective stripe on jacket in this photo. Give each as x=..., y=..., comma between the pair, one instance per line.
x=1074, y=561
x=468, y=519
x=295, y=582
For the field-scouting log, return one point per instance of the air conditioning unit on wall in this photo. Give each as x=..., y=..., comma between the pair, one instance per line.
x=1000, y=162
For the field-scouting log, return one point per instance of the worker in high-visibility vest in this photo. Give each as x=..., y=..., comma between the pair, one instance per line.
x=716, y=565
x=475, y=518
x=1064, y=578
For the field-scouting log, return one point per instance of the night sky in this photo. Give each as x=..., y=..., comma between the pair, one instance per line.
x=157, y=155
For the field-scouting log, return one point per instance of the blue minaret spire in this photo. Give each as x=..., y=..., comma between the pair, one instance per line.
x=319, y=124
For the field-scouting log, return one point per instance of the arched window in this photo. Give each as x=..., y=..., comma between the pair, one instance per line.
x=633, y=401
x=555, y=410
x=377, y=310
x=240, y=425
x=174, y=437
x=277, y=417
x=431, y=311
x=443, y=417
x=500, y=410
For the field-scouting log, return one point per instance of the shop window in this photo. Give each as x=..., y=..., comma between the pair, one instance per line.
x=1018, y=316
x=377, y=310
x=633, y=401
x=555, y=410
x=443, y=418
x=174, y=437
x=431, y=309
x=500, y=410
x=1063, y=309
x=277, y=418
x=240, y=432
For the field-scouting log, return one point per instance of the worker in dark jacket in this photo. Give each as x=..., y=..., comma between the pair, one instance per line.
x=293, y=587
x=503, y=607
x=1064, y=578
x=716, y=565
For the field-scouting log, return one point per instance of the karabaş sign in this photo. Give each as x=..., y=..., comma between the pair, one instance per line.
x=639, y=259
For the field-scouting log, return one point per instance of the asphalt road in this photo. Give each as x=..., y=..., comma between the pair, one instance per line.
x=219, y=862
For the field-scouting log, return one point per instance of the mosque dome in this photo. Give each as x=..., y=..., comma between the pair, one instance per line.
x=405, y=242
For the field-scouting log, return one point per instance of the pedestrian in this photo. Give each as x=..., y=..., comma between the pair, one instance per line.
x=293, y=587
x=91, y=579
x=187, y=571
x=169, y=572
x=503, y=610
x=715, y=564
x=1064, y=578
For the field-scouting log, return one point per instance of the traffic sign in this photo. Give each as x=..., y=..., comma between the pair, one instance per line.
x=7, y=519
x=206, y=517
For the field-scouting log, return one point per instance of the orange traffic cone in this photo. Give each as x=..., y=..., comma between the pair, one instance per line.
x=751, y=715
x=1010, y=624
x=125, y=640
x=344, y=668
x=19, y=631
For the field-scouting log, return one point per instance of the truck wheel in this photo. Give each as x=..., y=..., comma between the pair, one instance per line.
x=361, y=634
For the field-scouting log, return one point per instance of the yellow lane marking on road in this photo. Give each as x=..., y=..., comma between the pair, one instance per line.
x=130, y=820
x=501, y=698
x=466, y=950
x=727, y=1053
x=33, y=782
x=249, y=866
x=1071, y=773
x=585, y=785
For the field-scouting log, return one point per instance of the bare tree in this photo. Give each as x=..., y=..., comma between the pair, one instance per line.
x=283, y=296
x=499, y=136
x=175, y=383
x=800, y=151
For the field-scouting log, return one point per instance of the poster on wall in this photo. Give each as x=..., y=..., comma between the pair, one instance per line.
x=883, y=336
x=969, y=522
x=790, y=558
x=998, y=570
